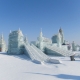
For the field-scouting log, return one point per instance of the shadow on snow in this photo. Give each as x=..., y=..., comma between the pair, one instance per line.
x=62, y=76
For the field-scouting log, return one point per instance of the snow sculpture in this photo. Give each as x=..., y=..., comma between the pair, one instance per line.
x=62, y=37
x=54, y=37
x=15, y=42
x=3, y=47
x=40, y=39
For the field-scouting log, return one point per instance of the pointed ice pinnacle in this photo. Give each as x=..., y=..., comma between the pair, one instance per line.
x=60, y=30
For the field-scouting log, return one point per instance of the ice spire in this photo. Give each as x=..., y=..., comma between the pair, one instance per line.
x=60, y=30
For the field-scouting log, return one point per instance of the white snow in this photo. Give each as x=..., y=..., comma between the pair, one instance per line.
x=19, y=67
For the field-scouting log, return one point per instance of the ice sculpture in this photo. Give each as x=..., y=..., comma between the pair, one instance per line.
x=3, y=47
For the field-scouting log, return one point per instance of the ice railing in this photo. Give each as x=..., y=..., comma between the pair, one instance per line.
x=60, y=50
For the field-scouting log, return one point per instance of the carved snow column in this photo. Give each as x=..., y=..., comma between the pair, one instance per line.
x=59, y=40
x=41, y=41
x=73, y=46
x=62, y=35
x=2, y=44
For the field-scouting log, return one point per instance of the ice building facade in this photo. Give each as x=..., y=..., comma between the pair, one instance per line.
x=55, y=37
x=42, y=41
x=18, y=44
x=56, y=46
x=37, y=50
x=3, y=47
x=15, y=42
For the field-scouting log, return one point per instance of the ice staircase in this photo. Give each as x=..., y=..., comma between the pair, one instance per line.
x=37, y=55
x=60, y=50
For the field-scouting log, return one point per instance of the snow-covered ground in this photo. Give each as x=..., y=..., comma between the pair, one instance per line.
x=19, y=67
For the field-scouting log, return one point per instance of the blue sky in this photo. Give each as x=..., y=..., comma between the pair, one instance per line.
x=32, y=15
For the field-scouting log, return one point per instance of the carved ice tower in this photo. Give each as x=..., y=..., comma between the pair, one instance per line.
x=59, y=43
x=40, y=39
x=15, y=42
x=62, y=36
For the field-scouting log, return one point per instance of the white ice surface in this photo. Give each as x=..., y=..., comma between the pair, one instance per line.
x=37, y=55
x=19, y=67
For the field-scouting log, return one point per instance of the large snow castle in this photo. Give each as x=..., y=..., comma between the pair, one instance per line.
x=40, y=49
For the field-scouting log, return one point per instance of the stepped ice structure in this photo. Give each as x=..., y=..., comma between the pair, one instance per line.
x=15, y=44
x=57, y=46
x=3, y=47
x=18, y=44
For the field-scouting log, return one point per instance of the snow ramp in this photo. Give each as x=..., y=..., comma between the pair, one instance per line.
x=37, y=55
x=60, y=51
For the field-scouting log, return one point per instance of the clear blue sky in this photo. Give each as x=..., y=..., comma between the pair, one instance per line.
x=32, y=15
